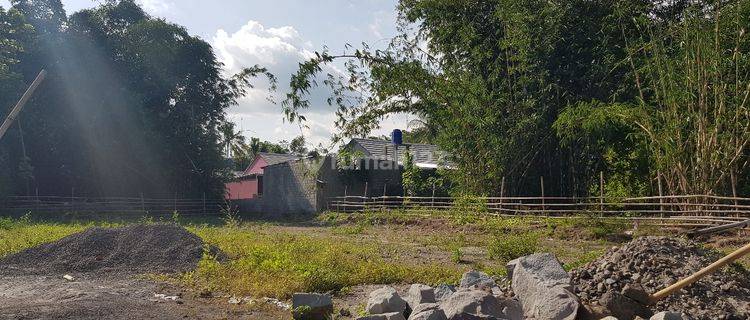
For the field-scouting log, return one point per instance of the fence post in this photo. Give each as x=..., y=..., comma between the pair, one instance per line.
x=432, y=204
x=601, y=193
x=541, y=180
x=661, y=199
x=72, y=199
x=204, y=203
x=36, y=191
x=365, y=198
x=385, y=186
x=502, y=192
x=143, y=204
x=175, y=202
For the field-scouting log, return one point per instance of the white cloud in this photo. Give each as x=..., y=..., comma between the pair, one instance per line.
x=156, y=6
x=280, y=49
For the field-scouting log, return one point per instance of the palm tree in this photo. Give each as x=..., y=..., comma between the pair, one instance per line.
x=232, y=140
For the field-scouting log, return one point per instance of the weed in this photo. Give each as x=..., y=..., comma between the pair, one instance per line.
x=507, y=247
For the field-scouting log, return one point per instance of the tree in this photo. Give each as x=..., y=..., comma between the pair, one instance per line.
x=132, y=105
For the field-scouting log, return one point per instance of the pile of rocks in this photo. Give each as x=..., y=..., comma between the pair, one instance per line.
x=653, y=263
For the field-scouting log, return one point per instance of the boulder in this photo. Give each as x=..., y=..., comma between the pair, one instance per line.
x=427, y=311
x=667, y=316
x=609, y=318
x=419, y=294
x=623, y=307
x=384, y=316
x=472, y=302
x=636, y=292
x=543, y=287
x=443, y=292
x=312, y=306
x=385, y=300
x=476, y=278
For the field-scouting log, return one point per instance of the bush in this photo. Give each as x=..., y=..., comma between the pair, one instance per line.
x=507, y=247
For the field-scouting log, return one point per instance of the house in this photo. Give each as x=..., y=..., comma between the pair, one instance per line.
x=248, y=184
x=305, y=186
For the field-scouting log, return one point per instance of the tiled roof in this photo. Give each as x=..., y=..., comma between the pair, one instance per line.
x=276, y=158
x=425, y=155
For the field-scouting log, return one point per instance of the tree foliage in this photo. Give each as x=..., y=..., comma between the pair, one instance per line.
x=560, y=89
x=132, y=104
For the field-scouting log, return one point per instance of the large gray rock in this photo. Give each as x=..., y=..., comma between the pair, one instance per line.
x=623, y=307
x=472, y=302
x=664, y=315
x=476, y=278
x=312, y=306
x=427, y=311
x=443, y=292
x=543, y=287
x=385, y=300
x=419, y=294
x=384, y=316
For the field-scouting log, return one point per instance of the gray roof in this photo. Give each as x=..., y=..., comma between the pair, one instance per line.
x=276, y=158
x=425, y=155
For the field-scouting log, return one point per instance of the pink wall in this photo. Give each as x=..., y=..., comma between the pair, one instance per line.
x=257, y=166
x=245, y=189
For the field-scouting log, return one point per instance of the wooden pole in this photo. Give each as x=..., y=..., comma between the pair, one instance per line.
x=739, y=253
x=502, y=193
x=432, y=203
x=601, y=192
x=541, y=180
x=143, y=204
x=21, y=103
x=204, y=203
x=661, y=195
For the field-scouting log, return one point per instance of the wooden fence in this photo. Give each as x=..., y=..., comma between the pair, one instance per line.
x=684, y=210
x=119, y=205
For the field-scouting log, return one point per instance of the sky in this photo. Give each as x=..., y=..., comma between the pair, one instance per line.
x=277, y=35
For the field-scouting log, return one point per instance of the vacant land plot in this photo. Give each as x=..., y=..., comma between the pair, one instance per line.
x=344, y=254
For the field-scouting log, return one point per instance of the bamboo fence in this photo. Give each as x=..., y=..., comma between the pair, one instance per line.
x=679, y=210
x=119, y=205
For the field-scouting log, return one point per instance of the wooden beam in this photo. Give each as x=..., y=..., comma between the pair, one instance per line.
x=21, y=103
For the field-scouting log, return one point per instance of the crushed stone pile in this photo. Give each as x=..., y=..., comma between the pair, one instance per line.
x=154, y=248
x=657, y=262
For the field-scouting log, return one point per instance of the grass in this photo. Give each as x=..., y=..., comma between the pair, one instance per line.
x=275, y=264
x=340, y=251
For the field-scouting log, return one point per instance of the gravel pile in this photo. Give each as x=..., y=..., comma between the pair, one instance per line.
x=657, y=262
x=157, y=248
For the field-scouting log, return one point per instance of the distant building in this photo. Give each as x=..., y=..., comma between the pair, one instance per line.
x=248, y=184
x=291, y=186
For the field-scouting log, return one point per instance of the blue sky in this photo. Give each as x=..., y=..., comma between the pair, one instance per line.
x=278, y=35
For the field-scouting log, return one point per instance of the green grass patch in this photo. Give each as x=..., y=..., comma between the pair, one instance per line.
x=277, y=264
x=19, y=234
x=506, y=247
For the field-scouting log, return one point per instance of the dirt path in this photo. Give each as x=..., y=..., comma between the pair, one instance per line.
x=114, y=297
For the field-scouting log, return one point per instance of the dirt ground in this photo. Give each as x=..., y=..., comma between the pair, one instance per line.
x=114, y=297
x=119, y=296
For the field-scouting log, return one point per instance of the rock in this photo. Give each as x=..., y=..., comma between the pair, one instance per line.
x=636, y=293
x=476, y=278
x=68, y=277
x=427, y=311
x=385, y=300
x=443, y=292
x=234, y=300
x=472, y=302
x=623, y=307
x=419, y=294
x=609, y=318
x=384, y=316
x=312, y=306
x=543, y=287
x=667, y=316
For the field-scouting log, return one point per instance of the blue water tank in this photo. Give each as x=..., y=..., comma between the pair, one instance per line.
x=397, y=137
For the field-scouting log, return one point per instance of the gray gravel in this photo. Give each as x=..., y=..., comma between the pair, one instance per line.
x=155, y=248
x=657, y=262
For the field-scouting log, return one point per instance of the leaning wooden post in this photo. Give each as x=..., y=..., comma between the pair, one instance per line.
x=739, y=253
x=601, y=193
x=541, y=180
